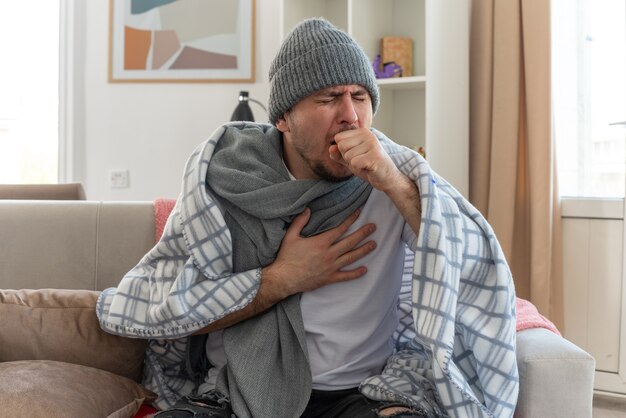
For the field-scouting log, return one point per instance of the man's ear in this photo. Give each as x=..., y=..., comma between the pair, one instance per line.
x=282, y=124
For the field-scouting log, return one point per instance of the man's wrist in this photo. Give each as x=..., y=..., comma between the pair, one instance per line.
x=272, y=288
x=404, y=188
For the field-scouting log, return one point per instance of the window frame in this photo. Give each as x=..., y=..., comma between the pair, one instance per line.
x=592, y=207
x=67, y=90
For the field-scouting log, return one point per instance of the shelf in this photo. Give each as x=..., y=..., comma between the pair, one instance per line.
x=402, y=83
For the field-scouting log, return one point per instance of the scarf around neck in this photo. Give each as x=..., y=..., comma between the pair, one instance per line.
x=249, y=179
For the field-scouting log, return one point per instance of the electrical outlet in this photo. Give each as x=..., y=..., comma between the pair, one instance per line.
x=118, y=179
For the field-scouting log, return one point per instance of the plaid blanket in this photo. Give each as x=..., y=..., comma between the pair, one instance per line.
x=455, y=342
x=456, y=339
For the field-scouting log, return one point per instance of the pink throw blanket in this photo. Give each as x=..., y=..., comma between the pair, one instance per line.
x=527, y=314
x=162, y=210
x=529, y=317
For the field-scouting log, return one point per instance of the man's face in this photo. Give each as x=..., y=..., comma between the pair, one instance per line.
x=310, y=126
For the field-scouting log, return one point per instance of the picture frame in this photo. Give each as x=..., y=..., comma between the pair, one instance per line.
x=168, y=41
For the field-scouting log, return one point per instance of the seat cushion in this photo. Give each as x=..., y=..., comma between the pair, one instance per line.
x=43, y=388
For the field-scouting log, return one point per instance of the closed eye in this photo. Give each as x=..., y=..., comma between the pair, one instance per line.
x=329, y=96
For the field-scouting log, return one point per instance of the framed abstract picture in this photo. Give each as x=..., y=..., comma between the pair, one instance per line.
x=181, y=41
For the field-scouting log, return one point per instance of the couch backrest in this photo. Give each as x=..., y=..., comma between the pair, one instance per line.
x=65, y=191
x=71, y=244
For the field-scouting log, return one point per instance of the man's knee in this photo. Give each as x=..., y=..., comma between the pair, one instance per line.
x=397, y=411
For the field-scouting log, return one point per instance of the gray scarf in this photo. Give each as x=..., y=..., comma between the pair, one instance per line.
x=268, y=373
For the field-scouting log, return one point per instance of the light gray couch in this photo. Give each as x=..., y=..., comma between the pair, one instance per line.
x=61, y=191
x=88, y=246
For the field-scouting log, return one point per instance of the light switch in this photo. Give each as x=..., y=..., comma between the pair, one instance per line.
x=118, y=179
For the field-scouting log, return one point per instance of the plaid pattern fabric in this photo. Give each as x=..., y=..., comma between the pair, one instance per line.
x=455, y=339
x=181, y=285
x=463, y=310
x=185, y=282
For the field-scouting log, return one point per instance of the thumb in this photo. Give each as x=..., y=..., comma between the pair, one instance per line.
x=335, y=154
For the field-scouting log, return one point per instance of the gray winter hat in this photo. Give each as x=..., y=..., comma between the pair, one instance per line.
x=314, y=56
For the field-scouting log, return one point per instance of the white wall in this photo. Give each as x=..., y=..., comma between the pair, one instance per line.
x=149, y=128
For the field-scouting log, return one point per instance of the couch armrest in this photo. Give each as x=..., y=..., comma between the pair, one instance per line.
x=556, y=376
x=61, y=325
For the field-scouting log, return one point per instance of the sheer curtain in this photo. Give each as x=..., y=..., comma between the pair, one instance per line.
x=512, y=157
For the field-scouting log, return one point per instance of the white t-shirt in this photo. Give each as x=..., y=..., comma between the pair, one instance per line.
x=349, y=325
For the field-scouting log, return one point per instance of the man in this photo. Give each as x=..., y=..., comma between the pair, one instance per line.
x=284, y=256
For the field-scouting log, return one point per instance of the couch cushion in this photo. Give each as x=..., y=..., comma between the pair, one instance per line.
x=41, y=388
x=61, y=325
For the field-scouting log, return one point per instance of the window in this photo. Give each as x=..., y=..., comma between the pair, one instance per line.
x=589, y=92
x=29, y=92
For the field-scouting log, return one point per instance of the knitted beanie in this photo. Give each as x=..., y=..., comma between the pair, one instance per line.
x=314, y=56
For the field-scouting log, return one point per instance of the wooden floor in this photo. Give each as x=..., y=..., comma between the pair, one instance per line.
x=609, y=407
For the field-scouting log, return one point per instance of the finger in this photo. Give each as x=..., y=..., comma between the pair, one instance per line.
x=345, y=143
x=335, y=154
x=298, y=223
x=334, y=233
x=347, y=243
x=355, y=137
x=344, y=276
x=349, y=153
x=363, y=163
x=352, y=144
x=348, y=133
x=356, y=254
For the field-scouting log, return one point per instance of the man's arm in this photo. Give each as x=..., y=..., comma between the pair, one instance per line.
x=360, y=150
x=304, y=264
x=406, y=198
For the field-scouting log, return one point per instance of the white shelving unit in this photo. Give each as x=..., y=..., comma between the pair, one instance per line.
x=429, y=109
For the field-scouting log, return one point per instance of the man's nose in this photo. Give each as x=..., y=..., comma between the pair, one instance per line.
x=347, y=112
